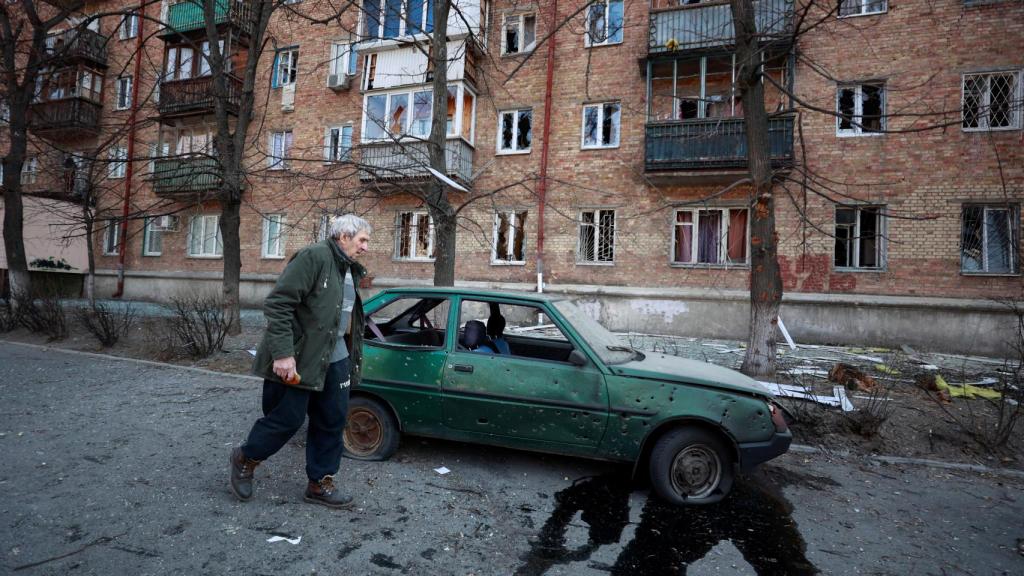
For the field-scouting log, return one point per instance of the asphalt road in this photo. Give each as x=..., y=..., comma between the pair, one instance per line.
x=113, y=466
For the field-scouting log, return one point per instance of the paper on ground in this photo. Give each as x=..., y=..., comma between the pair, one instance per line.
x=442, y=470
x=839, y=397
x=295, y=540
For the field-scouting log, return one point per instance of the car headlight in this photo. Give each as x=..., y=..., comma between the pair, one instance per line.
x=777, y=419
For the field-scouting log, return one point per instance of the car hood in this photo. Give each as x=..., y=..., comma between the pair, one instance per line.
x=683, y=370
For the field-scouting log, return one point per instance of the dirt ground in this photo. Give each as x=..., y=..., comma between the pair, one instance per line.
x=910, y=421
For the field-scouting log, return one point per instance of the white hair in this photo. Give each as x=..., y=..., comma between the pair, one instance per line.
x=348, y=225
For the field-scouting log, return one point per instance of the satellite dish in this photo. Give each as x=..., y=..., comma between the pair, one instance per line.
x=447, y=180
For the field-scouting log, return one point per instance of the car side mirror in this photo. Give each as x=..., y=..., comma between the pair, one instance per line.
x=576, y=358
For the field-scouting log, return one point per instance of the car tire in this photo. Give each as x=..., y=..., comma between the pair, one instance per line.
x=691, y=466
x=371, y=431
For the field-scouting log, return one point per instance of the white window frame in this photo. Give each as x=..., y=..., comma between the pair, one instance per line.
x=286, y=62
x=600, y=121
x=518, y=21
x=206, y=221
x=863, y=7
x=275, y=162
x=587, y=40
x=118, y=162
x=695, y=235
x=112, y=238
x=272, y=247
x=334, y=146
x=129, y=27
x=515, y=132
x=857, y=121
x=29, y=170
x=983, y=114
x=403, y=27
x=418, y=217
x=344, y=58
x=455, y=132
x=510, y=235
x=1013, y=219
x=149, y=231
x=596, y=226
x=123, y=99
x=880, y=243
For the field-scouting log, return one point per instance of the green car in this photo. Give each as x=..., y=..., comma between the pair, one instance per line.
x=536, y=372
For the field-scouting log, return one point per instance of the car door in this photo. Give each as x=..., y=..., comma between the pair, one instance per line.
x=532, y=398
x=404, y=352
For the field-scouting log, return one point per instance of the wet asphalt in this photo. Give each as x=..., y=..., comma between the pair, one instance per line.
x=112, y=466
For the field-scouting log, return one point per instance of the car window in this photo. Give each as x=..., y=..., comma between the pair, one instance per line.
x=512, y=330
x=415, y=322
x=611, y=348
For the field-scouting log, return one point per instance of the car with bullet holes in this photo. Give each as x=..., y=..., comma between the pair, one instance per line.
x=536, y=372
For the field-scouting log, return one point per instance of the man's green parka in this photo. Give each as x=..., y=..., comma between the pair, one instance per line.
x=303, y=311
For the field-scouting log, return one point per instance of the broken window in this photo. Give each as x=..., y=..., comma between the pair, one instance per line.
x=29, y=170
x=508, y=238
x=991, y=101
x=990, y=239
x=337, y=143
x=703, y=87
x=601, y=125
x=860, y=109
x=716, y=236
x=597, y=237
x=111, y=238
x=604, y=23
x=286, y=67
x=414, y=239
x=124, y=93
x=861, y=7
x=859, y=237
x=398, y=107
x=519, y=34
x=515, y=131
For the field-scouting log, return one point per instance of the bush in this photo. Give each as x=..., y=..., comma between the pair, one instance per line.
x=10, y=317
x=199, y=325
x=105, y=324
x=44, y=316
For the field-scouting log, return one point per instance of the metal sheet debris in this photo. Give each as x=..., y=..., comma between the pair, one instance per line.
x=291, y=541
x=442, y=470
x=838, y=399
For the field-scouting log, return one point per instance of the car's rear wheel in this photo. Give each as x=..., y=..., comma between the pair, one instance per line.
x=691, y=466
x=371, y=432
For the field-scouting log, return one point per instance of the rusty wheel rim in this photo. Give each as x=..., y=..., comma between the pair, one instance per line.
x=696, y=471
x=364, y=433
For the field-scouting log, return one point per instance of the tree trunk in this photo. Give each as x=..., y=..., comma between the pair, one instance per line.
x=229, y=224
x=90, y=252
x=440, y=207
x=14, y=210
x=765, y=276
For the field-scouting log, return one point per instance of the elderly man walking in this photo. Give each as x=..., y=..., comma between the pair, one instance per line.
x=310, y=354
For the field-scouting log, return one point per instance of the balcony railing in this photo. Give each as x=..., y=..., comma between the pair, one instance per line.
x=188, y=16
x=185, y=175
x=67, y=115
x=195, y=96
x=77, y=43
x=695, y=26
x=712, y=143
x=409, y=160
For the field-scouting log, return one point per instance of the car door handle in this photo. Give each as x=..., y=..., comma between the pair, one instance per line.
x=463, y=368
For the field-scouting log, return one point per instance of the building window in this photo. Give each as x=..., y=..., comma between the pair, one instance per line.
x=286, y=67
x=515, y=132
x=415, y=236
x=280, y=149
x=597, y=237
x=395, y=18
x=601, y=125
x=179, y=63
x=990, y=239
x=111, y=238
x=519, y=34
x=714, y=236
x=703, y=87
x=860, y=109
x=205, y=69
x=29, y=170
x=991, y=101
x=509, y=241
x=338, y=144
x=273, y=236
x=118, y=162
x=124, y=93
x=389, y=116
x=859, y=237
x=152, y=237
x=129, y=27
x=861, y=7
x=204, y=240
x=604, y=23
x=343, y=59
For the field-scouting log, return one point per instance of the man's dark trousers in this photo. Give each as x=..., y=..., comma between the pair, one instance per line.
x=285, y=408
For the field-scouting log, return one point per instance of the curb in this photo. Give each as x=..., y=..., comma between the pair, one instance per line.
x=882, y=459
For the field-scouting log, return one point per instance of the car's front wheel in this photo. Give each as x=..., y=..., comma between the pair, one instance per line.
x=371, y=432
x=691, y=466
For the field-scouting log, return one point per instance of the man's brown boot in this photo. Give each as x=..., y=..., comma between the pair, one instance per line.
x=242, y=469
x=326, y=494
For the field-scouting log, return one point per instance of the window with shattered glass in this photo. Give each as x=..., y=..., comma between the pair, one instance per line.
x=991, y=101
x=601, y=124
x=859, y=237
x=597, y=237
x=860, y=109
x=414, y=237
x=515, y=133
x=519, y=34
x=604, y=22
x=989, y=240
x=509, y=239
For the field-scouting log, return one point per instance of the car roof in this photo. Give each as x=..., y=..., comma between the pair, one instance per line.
x=474, y=293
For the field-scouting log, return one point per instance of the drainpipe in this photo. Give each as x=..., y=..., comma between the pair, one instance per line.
x=542, y=187
x=129, y=171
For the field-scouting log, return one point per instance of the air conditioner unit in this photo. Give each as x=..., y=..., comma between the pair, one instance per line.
x=288, y=97
x=167, y=223
x=338, y=82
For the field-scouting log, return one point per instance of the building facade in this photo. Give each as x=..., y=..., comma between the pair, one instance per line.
x=895, y=129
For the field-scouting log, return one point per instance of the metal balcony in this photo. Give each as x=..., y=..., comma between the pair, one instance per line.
x=187, y=17
x=77, y=44
x=188, y=176
x=711, y=143
x=390, y=161
x=65, y=118
x=709, y=25
x=195, y=96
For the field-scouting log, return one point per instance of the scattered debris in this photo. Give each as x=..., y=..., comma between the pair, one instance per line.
x=252, y=351
x=789, y=391
x=442, y=470
x=886, y=369
x=851, y=378
x=785, y=334
x=946, y=391
x=291, y=541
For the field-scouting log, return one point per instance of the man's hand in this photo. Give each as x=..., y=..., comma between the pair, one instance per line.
x=285, y=368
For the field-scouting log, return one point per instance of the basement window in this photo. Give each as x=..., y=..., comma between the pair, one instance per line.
x=508, y=247
x=597, y=237
x=414, y=238
x=713, y=236
x=989, y=239
x=859, y=238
